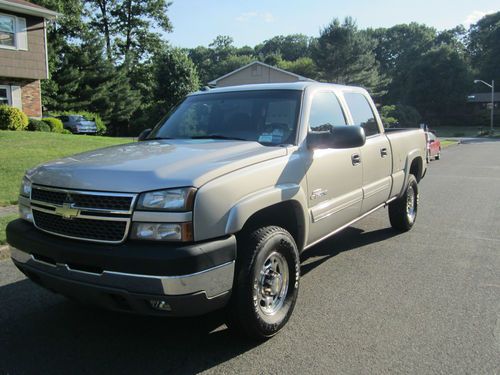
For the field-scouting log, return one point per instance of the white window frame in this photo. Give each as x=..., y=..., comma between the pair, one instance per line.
x=9, y=93
x=15, y=31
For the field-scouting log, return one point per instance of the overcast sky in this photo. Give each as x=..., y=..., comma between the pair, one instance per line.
x=249, y=22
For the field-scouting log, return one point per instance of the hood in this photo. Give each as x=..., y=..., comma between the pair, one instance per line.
x=152, y=165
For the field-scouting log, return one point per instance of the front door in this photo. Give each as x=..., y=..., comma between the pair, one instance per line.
x=334, y=176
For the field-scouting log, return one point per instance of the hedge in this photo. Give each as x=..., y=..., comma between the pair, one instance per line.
x=38, y=125
x=12, y=118
x=55, y=124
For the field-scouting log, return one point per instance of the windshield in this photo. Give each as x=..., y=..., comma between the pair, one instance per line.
x=268, y=117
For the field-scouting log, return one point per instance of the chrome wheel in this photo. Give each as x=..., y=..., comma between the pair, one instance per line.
x=272, y=284
x=411, y=201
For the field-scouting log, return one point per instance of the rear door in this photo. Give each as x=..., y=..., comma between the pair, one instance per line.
x=334, y=176
x=376, y=155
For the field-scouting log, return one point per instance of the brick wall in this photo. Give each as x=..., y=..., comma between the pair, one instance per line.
x=31, y=97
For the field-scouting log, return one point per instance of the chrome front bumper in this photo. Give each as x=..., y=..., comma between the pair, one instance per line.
x=212, y=282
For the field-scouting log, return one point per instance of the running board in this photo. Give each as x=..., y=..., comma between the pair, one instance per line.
x=350, y=223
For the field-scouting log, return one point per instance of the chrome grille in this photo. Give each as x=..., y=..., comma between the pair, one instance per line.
x=84, y=215
x=82, y=199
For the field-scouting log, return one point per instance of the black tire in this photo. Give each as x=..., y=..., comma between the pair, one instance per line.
x=438, y=156
x=247, y=310
x=401, y=215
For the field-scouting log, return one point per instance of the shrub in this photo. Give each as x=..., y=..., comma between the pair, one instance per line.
x=55, y=124
x=12, y=118
x=37, y=125
x=66, y=131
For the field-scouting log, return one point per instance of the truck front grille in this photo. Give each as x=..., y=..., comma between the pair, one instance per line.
x=81, y=199
x=83, y=215
x=91, y=229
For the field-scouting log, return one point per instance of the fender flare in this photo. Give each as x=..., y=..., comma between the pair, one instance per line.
x=257, y=201
x=412, y=155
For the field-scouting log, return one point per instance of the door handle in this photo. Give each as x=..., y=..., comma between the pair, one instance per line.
x=356, y=159
x=383, y=152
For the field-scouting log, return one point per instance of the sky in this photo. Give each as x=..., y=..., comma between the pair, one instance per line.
x=249, y=22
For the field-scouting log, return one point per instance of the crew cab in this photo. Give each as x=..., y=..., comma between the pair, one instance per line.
x=213, y=206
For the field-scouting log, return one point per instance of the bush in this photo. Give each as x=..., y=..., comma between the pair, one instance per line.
x=55, y=124
x=35, y=125
x=12, y=118
x=66, y=131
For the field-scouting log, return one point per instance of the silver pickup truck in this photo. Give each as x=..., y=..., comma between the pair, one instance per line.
x=211, y=208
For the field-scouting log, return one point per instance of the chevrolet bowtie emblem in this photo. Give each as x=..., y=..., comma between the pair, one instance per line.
x=66, y=211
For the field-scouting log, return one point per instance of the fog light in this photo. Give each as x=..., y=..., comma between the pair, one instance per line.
x=159, y=305
x=25, y=213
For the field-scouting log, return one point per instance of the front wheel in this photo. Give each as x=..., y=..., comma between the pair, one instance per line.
x=266, y=283
x=403, y=211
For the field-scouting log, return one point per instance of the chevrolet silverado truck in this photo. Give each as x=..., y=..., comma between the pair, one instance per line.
x=212, y=207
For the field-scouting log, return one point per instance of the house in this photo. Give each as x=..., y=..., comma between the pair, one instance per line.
x=256, y=72
x=483, y=99
x=23, y=54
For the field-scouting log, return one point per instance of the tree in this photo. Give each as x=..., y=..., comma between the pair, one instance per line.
x=101, y=19
x=303, y=66
x=345, y=55
x=438, y=85
x=289, y=47
x=176, y=77
x=397, y=49
x=484, y=47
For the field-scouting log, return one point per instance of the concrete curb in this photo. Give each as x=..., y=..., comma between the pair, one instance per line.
x=4, y=252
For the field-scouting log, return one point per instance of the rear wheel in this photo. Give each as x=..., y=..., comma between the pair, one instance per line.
x=403, y=211
x=438, y=156
x=266, y=283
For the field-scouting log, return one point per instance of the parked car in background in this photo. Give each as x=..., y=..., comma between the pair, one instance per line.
x=433, y=146
x=78, y=124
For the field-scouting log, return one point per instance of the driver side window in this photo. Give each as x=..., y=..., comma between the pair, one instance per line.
x=326, y=112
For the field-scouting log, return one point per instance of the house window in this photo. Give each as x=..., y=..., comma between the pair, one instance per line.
x=7, y=31
x=5, y=97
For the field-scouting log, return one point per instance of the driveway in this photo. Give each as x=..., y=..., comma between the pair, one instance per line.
x=371, y=301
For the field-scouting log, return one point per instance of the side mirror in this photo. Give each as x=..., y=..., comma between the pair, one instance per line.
x=143, y=135
x=338, y=137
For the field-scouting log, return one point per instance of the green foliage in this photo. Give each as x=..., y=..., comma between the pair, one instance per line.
x=56, y=125
x=387, y=115
x=407, y=116
x=66, y=131
x=176, y=76
x=289, y=47
x=484, y=47
x=12, y=118
x=35, y=125
x=345, y=55
x=303, y=66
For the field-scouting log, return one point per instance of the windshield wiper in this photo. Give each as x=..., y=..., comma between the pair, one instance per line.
x=217, y=136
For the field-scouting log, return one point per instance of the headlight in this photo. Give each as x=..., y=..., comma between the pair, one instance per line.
x=162, y=231
x=25, y=190
x=167, y=200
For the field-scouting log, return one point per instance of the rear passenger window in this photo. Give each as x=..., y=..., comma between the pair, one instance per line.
x=325, y=112
x=362, y=113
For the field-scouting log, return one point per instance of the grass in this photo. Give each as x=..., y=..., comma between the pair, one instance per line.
x=448, y=142
x=3, y=224
x=458, y=131
x=20, y=151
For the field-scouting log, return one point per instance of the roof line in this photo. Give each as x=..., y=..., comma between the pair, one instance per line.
x=301, y=78
x=27, y=9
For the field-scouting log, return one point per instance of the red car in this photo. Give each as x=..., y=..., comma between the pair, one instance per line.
x=433, y=147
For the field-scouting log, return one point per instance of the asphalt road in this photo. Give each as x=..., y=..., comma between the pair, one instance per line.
x=371, y=301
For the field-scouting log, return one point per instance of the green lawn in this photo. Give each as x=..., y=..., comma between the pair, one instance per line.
x=3, y=224
x=448, y=142
x=20, y=151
